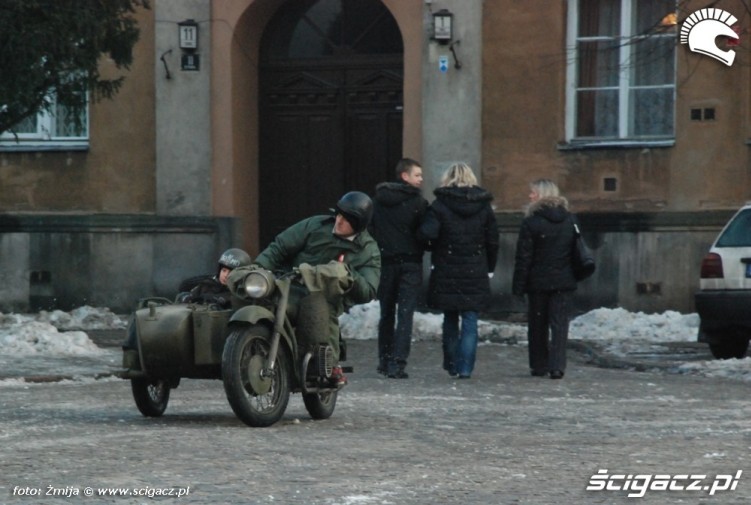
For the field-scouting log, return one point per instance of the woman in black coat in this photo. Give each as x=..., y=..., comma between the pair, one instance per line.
x=543, y=271
x=463, y=235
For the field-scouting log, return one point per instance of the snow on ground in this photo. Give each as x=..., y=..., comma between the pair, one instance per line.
x=46, y=342
x=40, y=334
x=56, y=343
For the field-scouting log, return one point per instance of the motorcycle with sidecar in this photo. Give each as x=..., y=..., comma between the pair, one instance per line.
x=263, y=349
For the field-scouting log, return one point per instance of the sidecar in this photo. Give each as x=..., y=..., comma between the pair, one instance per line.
x=172, y=341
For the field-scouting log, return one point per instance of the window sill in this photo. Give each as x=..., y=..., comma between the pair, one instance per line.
x=26, y=147
x=579, y=145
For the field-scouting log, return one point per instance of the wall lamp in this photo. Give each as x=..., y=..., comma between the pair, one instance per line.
x=443, y=22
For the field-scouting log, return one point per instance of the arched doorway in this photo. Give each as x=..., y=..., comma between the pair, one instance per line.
x=330, y=106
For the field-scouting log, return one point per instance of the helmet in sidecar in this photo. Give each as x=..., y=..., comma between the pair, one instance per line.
x=233, y=258
x=357, y=209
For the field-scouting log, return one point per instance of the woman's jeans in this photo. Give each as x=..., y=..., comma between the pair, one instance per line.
x=459, y=349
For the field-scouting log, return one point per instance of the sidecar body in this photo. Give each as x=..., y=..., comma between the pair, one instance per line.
x=176, y=341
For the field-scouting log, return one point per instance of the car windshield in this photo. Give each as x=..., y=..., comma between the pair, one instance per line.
x=738, y=232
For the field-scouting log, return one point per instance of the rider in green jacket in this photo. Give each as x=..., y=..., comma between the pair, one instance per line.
x=319, y=240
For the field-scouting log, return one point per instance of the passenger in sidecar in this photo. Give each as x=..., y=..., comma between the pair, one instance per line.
x=214, y=289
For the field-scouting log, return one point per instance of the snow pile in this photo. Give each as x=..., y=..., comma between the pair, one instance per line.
x=621, y=332
x=84, y=318
x=39, y=334
x=38, y=343
x=620, y=324
x=35, y=337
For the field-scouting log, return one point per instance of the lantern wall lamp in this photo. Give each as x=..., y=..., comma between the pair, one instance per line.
x=443, y=21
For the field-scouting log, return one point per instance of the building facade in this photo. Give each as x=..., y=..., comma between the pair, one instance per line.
x=240, y=117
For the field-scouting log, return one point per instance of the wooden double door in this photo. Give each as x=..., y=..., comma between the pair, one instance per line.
x=326, y=127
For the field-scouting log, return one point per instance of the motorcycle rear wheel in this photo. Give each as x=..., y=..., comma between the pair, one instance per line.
x=151, y=396
x=320, y=405
x=256, y=400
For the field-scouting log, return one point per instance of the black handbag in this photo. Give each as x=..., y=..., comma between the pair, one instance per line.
x=582, y=261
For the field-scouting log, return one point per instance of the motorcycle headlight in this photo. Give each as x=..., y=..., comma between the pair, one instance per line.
x=259, y=283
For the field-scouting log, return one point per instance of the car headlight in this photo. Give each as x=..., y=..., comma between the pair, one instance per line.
x=259, y=283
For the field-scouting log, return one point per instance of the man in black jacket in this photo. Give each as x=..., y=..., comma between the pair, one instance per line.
x=398, y=212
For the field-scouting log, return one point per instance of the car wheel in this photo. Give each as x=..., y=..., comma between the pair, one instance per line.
x=729, y=349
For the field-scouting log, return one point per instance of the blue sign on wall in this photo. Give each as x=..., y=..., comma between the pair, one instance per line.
x=443, y=64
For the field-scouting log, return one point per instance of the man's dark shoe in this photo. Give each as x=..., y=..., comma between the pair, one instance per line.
x=381, y=369
x=538, y=373
x=556, y=374
x=399, y=374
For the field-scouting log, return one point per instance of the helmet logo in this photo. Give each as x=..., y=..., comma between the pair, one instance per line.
x=233, y=258
x=230, y=262
x=701, y=29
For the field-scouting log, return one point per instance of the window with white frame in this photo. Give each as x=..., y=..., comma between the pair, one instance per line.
x=621, y=70
x=59, y=126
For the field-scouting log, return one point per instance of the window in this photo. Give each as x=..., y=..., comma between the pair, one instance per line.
x=738, y=232
x=317, y=29
x=621, y=70
x=54, y=129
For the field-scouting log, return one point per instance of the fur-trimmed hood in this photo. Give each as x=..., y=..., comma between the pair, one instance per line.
x=464, y=200
x=552, y=208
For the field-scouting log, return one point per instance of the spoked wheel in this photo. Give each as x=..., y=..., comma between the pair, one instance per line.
x=257, y=397
x=151, y=396
x=320, y=405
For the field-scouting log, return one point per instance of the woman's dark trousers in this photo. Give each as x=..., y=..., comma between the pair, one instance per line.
x=548, y=317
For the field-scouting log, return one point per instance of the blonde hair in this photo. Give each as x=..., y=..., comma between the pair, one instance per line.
x=545, y=188
x=459, y=174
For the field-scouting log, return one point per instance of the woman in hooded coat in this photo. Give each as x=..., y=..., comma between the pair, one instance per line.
x=462, y=232
x=543, y=271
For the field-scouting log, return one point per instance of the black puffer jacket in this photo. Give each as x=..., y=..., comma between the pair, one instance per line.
x=543, y=250
x=398, y=211
x=463, y=235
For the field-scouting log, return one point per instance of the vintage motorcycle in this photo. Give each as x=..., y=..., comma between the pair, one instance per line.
x=262, y=351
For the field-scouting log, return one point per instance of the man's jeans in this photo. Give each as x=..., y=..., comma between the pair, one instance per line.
x=397, y=293
x=459, y=350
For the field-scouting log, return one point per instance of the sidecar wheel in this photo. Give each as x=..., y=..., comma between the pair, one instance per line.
x=258, y=401
x=320, y=405
x=151, y=396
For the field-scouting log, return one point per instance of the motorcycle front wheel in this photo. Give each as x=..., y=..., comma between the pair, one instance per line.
x=151, y=396
x=257, y=399
x=320, y=405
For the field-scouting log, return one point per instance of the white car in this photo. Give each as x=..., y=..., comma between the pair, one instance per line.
x=724, y=299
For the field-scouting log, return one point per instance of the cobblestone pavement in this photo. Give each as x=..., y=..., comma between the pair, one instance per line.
x=502, y=437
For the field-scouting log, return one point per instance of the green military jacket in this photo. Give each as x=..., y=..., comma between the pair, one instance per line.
x=313, y=241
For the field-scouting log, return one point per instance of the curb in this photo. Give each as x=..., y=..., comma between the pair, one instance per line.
x=597, y=357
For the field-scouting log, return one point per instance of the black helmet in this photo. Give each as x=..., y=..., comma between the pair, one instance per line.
x=233, y=258
x=357, y=209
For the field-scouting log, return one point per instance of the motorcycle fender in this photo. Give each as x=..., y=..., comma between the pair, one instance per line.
x=252, y=314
